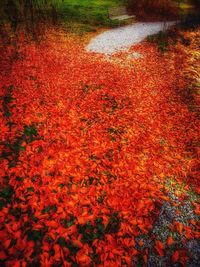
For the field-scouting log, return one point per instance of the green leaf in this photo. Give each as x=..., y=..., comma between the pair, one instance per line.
x=68, y=223
x=50, y=208
x=30, y=131
x=7, y=192
x=35, y=235
x=30, y=189
x=114, y=224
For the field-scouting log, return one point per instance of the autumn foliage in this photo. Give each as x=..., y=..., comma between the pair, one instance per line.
x=87, y=146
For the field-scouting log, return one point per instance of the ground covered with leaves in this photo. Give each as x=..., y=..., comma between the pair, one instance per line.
x=99, y=158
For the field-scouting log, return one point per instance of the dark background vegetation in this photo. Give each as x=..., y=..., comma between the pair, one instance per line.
x=33, y=15
x=27, y=14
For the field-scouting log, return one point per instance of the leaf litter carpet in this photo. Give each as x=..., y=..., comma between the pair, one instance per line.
x=98, y=166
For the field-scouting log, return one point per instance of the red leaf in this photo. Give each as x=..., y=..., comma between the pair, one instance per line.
x=175, y=256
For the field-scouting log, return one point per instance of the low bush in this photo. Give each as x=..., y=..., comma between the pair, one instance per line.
x=164, y=8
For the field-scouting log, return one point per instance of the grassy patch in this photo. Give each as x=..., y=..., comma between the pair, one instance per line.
x=85, y=15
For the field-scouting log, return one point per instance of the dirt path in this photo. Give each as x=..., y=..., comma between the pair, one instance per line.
x=122, y=38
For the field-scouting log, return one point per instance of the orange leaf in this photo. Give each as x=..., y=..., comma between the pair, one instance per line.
x=140, y=243
x=197, y=210
x=17, y=264
x=159, y=244
x=145, y=259
x=7, y=243
x=179, y=227
x=175, y=256
x=134, y=252
x=159, y=248
x=2, y=255
x=60, y=210
x=83, y=259
x=170, y=241
x=56, y=248
x=128, y=260
x=53, y=224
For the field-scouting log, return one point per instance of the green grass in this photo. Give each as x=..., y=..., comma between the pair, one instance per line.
x=89, y=14
x=79, y=16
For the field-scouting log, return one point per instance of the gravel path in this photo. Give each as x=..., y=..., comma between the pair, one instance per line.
x=124, y=37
